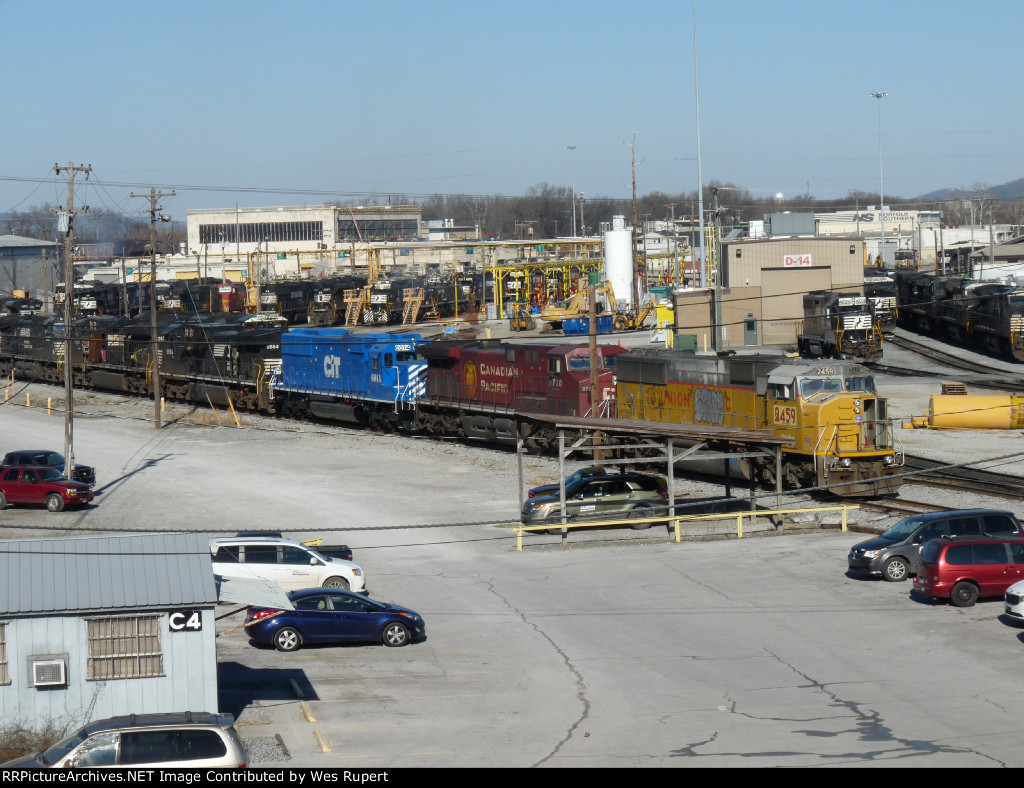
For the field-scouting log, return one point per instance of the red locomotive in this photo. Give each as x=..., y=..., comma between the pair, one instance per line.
x=488, y=389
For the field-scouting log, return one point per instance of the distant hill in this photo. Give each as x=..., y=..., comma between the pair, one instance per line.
x=1014, y=190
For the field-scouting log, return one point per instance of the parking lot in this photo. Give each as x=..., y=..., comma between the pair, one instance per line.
x=631, y=652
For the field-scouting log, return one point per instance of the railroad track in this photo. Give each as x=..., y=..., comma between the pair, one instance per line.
x=898, y=506
x=999, y=376
x=934, y=474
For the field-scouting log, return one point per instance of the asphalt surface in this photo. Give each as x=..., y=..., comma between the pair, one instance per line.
x=621, y=648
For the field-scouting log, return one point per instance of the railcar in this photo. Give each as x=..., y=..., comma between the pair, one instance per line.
x=289, y=300
x=327, y=303
x=841, y=431
x=331, y=373
x=838, y=325
x=487, y=390
x=988, y=316
x=880, y=291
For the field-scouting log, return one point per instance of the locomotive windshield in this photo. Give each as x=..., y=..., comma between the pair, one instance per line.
x=861, y=383
x=811, y=386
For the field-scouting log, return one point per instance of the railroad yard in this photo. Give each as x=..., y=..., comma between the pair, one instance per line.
x=619, y=648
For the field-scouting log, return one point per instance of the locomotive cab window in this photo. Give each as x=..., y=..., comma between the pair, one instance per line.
x=780, y=391
x=555, y=366
x=811, y=386
x=389, y=360
x=861, y=383
x=579, y=363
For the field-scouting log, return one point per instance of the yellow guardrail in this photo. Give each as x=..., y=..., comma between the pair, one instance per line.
x=679, y=519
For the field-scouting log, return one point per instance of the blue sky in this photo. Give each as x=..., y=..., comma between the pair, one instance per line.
x=260, y=103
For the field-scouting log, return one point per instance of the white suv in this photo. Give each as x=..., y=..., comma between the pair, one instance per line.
x=292, y=565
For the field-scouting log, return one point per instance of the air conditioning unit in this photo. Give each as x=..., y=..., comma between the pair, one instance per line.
x=49, y=673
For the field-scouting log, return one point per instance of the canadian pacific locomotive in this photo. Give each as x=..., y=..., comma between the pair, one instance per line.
x=984, y=315
x=487, y=390
x=841, y=431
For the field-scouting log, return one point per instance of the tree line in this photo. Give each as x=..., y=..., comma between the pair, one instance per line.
x=550, y=211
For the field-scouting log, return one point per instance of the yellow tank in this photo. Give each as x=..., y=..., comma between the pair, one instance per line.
x=974, y=412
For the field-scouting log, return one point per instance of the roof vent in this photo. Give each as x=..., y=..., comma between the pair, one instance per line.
x=49, y=673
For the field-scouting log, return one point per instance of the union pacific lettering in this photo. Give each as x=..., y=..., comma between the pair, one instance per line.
x=698, y=404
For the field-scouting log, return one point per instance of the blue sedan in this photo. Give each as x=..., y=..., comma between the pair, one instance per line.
x=330, y=615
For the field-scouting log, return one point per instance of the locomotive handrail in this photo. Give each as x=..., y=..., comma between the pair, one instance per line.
x=674, y=522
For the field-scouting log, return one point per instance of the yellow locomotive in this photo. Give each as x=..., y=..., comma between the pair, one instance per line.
x=842, y=434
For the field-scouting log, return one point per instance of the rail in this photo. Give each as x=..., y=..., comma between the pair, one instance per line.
x=674, y=522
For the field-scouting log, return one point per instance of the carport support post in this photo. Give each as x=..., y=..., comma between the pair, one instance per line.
x=561, y=483
x=671, y=484
x=778, y=476
x=519, y=462
x=728, y=473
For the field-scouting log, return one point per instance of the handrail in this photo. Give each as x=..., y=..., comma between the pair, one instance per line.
x=677, y=519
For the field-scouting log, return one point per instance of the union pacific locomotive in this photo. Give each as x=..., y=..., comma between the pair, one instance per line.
x=486, y=390
x=841, y=431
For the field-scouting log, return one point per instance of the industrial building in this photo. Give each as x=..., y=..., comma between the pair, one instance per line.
x=100, y=626
x=27, y=265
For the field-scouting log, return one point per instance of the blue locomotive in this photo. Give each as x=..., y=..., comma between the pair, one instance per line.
x=332, y=373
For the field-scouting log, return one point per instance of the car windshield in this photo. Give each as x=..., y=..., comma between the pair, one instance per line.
x=902, y=529
x=62, y=748
x=581, y=474
x=811, y=386
x=51, y=475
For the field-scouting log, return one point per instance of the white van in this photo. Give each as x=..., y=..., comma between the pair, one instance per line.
x=292, y=565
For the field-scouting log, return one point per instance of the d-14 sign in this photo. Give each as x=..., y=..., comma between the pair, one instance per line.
x=783, y=414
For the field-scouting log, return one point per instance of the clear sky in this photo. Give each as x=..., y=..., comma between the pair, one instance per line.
x=258, y=103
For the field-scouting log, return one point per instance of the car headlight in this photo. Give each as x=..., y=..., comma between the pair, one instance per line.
x=70, y=492
x=871, y=553
x=357, y=571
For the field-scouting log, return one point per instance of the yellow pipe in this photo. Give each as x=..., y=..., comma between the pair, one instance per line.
x=975, y=412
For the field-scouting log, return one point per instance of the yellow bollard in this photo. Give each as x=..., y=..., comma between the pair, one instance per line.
x=28, y=400
x=49, y=406
x=162, y=409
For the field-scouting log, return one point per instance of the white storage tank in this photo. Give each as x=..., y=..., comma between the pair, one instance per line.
x=618, y=260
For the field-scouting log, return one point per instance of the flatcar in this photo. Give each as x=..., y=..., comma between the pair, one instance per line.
x=842, y=434
x=987, y=316
x=838, y=325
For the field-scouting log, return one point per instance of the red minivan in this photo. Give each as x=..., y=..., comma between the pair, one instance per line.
x=962, y=570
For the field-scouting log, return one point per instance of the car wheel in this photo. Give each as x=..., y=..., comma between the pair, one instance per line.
x=3, y=501
x=638, y=512
x=964, y=594
x=336, y=582
x=895, y=569
x=554, y=518
x=287, y=639
x=395, y=635
x=54, y=503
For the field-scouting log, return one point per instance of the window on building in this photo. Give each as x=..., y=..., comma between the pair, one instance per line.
x=124, y=647
x=5, y=674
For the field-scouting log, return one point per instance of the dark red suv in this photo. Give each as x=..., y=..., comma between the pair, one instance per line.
x=43, y=486
x=963, y=570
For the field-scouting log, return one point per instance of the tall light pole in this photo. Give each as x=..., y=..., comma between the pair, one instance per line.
x=700, y=174
x=573, y=178
x=881, y=200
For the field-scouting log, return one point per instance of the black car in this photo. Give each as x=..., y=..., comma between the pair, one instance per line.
x=50, y=459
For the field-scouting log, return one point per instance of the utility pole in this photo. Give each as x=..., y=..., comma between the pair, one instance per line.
x=67, y=225
x=675, y=248
x=636, y=245
x=153, y=196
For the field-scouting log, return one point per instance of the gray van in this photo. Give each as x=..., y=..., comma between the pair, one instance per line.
x=895, y=554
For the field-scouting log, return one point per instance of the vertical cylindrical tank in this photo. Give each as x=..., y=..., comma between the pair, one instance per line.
x=618, y=260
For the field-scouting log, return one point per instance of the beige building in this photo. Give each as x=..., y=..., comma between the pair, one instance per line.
x=762, y=287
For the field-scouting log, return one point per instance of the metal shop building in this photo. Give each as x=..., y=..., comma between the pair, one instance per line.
x=763, y=281
x=99, y=626
x=27, y=264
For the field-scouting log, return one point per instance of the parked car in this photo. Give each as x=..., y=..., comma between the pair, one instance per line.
x=963, y=570
x=51, y=459
x=1014, y=600
x=44, y=486
x=184, y=740
x=333, y=616
x=895, y=554
x=292, y=565
x=329, y=550
x=600, y=497
x=583, y=473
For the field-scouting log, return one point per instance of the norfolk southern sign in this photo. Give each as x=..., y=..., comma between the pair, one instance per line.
x=185, y=621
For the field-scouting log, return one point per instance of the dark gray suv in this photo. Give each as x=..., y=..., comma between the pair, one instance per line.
x=895, y=554
x=632, y=495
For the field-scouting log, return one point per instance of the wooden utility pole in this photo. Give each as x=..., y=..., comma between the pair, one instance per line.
x=153, y=196
x=636, y=245
x=67, y=225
